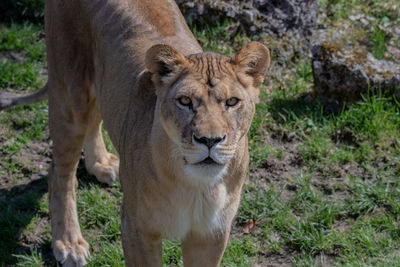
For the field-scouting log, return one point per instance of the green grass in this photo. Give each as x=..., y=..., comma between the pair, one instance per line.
x=379, y=41
x=323, y=187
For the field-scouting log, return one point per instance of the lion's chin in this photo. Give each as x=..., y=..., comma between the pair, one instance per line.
x=205, y=174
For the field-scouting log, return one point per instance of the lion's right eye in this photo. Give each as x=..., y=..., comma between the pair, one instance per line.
x=233, y=101
x=185, y=101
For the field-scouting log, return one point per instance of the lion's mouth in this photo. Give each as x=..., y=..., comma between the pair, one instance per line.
x=208, y=161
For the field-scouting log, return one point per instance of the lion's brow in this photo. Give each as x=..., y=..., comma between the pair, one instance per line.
x=209, y=65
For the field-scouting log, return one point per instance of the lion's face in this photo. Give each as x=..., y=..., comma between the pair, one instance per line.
x=206, y=103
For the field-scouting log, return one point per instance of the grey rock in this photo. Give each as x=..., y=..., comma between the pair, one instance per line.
x=292, y=22
x=343, y=75
x=271, y=17
x=285, y=16
x=250, y=16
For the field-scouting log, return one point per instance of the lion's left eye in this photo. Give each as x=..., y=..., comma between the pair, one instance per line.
x=185, y=101
x=233, y=101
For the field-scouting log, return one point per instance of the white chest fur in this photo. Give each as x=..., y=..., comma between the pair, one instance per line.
x=190, y=209
x=196, y=202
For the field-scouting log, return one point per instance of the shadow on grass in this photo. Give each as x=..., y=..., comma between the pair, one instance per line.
x=319, y=110
x=85, y=179
x=21, y=11
x=284, y=110
x=21, y=204
x=18, y=207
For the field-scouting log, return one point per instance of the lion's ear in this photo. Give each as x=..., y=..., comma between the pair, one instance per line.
x=164, y=62
x=253, y=61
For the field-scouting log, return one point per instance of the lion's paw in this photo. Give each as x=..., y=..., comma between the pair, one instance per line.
x=71, y=253
x=106, y=170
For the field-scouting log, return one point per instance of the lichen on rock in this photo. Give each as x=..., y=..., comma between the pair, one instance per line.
x=343, y=75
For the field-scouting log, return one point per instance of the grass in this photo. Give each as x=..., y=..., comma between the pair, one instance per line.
x=323, y=188
x=379, y=40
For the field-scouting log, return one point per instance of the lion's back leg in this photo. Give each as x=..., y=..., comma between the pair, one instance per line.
x=99, y=162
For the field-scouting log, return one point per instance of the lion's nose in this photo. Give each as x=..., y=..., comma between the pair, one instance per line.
x=208, y=141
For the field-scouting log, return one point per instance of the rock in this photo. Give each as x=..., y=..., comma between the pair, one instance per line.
x=292, y=22
x=250, y=17
x=274, y=18
x=343, y=75
x=278, y=18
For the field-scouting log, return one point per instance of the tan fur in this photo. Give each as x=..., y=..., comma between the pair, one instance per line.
x=7, y=101
x=101, y=68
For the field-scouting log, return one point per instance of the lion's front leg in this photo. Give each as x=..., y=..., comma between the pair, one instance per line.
x=68, y=245
x=204, y=251
x=141, y=247
x=67, y=129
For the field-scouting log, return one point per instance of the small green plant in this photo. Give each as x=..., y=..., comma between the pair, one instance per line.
x=34, y=259
x=379, y=40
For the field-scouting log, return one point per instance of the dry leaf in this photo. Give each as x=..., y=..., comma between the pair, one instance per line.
x=249, y=227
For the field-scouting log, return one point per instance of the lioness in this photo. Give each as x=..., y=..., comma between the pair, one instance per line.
x=178, y=118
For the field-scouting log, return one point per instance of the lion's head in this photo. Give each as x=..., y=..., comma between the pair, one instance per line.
x=206, y=103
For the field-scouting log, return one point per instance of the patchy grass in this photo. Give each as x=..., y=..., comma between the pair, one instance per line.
x=323, y=188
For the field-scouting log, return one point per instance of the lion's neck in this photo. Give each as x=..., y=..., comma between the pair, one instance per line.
x=164, y=154
x=136, y=25
x=157, y=14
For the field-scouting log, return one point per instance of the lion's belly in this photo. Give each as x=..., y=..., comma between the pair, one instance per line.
x=200, y=211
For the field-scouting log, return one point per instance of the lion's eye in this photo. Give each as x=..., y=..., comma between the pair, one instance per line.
x=233, y=101
x=185, y=101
